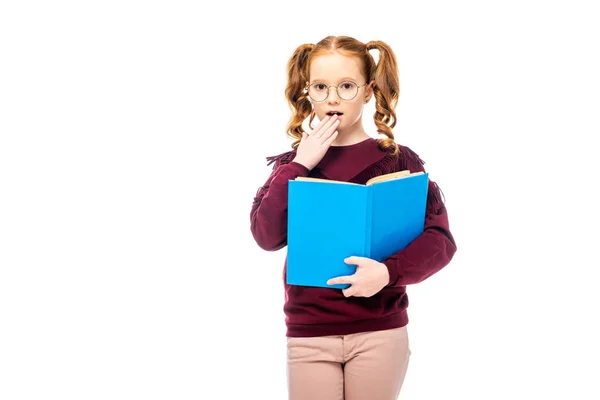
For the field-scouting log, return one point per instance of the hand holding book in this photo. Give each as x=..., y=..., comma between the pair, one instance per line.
x=370, y=277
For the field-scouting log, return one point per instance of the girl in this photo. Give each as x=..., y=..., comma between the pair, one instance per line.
x=353, y=343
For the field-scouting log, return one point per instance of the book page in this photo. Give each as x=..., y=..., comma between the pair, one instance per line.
x=310, y=179
x=372, y=181
x=387, y=177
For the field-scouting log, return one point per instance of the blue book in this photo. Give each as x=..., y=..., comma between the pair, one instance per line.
x=329, y=221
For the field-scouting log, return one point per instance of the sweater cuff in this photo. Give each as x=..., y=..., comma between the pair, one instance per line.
x=397, y=266
x=390, y=263
x=299, y=168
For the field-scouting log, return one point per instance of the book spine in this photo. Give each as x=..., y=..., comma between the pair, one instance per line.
x=369, y=221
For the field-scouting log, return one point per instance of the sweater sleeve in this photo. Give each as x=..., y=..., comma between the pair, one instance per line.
x=434, y=248
x=268, y=216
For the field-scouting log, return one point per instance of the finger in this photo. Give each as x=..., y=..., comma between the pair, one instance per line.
x=320, y=125
x=354, y=260
x=348, y=292
x=329, y=131
x=331, y=139
x=331, y=126
x=321, y=130
x=340, y=280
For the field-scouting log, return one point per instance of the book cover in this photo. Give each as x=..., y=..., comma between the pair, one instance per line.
x=331, y=220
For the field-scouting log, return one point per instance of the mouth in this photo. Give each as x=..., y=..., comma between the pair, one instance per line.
x=334, y=113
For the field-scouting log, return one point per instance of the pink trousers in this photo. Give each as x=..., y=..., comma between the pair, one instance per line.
x=360, y=366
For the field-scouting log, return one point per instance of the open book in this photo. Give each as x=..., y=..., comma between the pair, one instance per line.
x=377, y=179
x=330, y=220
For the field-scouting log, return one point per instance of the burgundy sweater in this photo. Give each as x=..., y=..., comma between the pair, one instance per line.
x=316, y=311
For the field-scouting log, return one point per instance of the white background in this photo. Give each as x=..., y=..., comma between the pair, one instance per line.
x=133, y=140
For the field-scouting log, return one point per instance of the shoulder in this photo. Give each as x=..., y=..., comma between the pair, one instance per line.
x=405, y=158
x=409, y=159
x=413, y=162
x=280, y=159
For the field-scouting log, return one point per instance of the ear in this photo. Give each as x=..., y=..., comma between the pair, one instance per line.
x=305, y=90
x=369, y=91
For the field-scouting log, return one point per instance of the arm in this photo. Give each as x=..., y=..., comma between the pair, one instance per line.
x=434, y=248
x=268, y=216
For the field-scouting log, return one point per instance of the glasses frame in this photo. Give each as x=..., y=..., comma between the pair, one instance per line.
x=336, y=90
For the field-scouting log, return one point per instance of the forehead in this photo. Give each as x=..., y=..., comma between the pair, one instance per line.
x=332, y=67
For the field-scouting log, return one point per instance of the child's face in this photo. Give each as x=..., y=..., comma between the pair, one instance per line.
x=336, y=69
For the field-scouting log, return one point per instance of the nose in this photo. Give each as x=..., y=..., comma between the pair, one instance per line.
x=333, y=95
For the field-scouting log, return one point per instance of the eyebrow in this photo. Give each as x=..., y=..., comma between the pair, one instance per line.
x=341, y=79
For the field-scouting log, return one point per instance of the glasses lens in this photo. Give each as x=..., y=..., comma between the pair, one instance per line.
x=347, y=90
x=318, y=91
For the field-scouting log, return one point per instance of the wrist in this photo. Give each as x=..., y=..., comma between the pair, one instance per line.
x=303, y=163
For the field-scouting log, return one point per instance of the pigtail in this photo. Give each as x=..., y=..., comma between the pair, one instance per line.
x=294, y=92
x=386, y=91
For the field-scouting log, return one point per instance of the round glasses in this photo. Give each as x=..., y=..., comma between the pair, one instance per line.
x=319, y=92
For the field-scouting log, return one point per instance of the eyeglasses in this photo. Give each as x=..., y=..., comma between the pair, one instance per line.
x=319, y=92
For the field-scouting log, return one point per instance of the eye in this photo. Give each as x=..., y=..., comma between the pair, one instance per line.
x=319, y=86
x=347, y=85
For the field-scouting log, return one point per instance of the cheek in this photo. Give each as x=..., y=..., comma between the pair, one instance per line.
x=356, y=111
x=319, y=112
